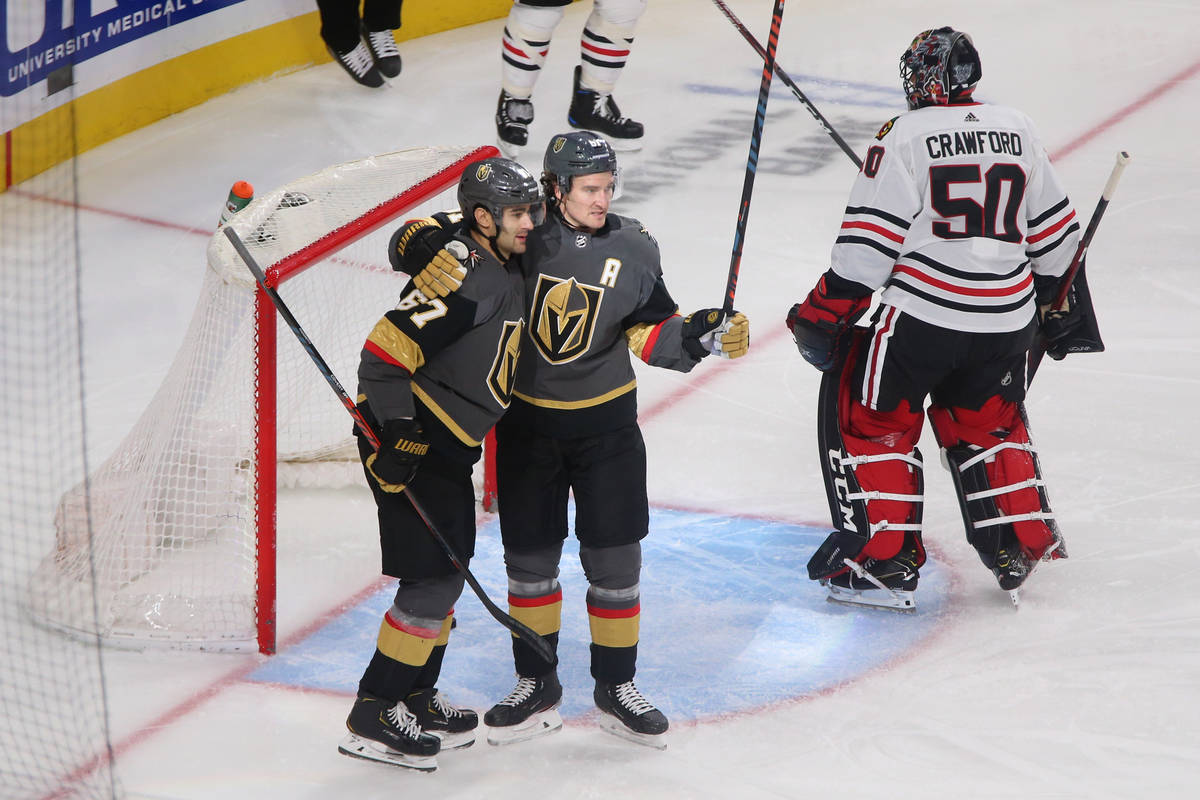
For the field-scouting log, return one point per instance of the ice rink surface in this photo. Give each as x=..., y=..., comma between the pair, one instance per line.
x=1090, y=690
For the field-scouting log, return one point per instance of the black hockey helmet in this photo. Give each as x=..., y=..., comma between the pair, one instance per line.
x=941, y=66
x=494, y=184
x=578, y=153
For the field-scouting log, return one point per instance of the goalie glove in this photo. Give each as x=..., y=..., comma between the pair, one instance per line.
x=402, y=445
x=710, y=331
x=1072, y=328
x=423, y=249
x=823, y=324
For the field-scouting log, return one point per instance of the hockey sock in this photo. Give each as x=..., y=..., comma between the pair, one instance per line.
x=605, y=44
x=524, y=46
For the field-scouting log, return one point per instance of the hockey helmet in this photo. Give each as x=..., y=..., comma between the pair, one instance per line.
x=579, y=153
x=496, y=183
x=940, y=66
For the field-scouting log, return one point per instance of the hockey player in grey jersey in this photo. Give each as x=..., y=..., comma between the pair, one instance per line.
x=434, y=376
x=959, y=217
x=596, y=293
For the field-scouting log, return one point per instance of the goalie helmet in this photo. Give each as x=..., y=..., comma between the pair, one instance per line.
x=940, y=66
x=578, y=153
x=496, y=183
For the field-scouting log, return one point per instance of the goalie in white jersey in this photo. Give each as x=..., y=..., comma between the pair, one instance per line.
x=959, y=217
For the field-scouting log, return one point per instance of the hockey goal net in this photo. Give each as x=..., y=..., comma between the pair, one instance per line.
x=182, y=515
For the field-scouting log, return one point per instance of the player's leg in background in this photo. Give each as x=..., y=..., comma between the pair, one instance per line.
x=604, y=49
x=523, y=49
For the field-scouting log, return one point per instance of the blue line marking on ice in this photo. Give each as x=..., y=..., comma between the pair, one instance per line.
x=821, y=91
x=730, y=623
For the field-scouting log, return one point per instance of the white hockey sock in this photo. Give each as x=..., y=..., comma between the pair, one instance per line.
x=606, y=41
x=524, y=46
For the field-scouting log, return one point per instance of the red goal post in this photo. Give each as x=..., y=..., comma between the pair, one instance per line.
x=178, y=525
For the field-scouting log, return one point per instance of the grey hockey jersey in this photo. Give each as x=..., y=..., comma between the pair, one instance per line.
x=593, y=299
x=454, y=356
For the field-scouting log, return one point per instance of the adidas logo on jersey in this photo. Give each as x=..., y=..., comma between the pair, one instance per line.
x=970, y=117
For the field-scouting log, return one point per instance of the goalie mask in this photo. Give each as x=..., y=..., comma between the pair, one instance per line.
x=496, y=183
x=579, y=153
x=939, y=67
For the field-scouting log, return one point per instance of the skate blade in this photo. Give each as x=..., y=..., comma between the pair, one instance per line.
x=898, y=600
x=538, y=725
x=612, y=725
x=368, y=750
x=455, y=741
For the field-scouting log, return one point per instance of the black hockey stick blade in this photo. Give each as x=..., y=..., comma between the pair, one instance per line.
x=522, y=631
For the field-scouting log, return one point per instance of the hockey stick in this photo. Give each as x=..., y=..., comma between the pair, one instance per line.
x=783, y=76
x=1068, y=278
x=760, y=116
x=522, y=631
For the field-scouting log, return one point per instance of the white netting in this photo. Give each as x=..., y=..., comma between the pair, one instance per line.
x=174, y=509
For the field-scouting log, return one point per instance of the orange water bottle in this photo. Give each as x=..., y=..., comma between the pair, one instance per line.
x=239, y=197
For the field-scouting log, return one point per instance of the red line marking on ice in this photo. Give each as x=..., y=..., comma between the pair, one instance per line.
x=1122, y=114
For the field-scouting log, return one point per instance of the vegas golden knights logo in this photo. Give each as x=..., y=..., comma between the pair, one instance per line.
x=564, y=317
x=504, y=367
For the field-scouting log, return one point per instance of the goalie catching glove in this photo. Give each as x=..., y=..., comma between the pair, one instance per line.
x=402, y=444
x=710, y=331
x=823, y=324
x=421, y=248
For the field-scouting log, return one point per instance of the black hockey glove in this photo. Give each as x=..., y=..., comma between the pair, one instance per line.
x=823, y=325
x=1072, y=328
x=419, y=249
x=402, y=444
x=710, y=331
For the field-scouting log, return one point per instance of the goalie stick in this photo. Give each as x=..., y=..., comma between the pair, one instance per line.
x=783, y=76
x=1064, y=287
x=522, y=631
x=760, y=116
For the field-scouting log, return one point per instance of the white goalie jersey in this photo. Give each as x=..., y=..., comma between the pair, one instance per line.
x=953, y=211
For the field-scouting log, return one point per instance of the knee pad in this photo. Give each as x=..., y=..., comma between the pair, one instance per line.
x=618, y=17
x=874, y=476
x=612, y=568
x=998, y=480
x=429, y=600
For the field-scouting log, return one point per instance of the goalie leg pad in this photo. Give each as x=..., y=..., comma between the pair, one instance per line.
x=873, y=476
x=999, y=484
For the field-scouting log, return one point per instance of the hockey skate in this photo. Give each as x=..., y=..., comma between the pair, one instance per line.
x=629, y=715
x=382, y=46
x=1016, y=570
x=359, y=65
x=888, y=583
x=513, y=116
x=390, y=734
x=529, y=711
x=592, y=111
x=454, y=726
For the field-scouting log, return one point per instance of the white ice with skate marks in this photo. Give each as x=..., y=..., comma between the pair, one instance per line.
x=1089, y=690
